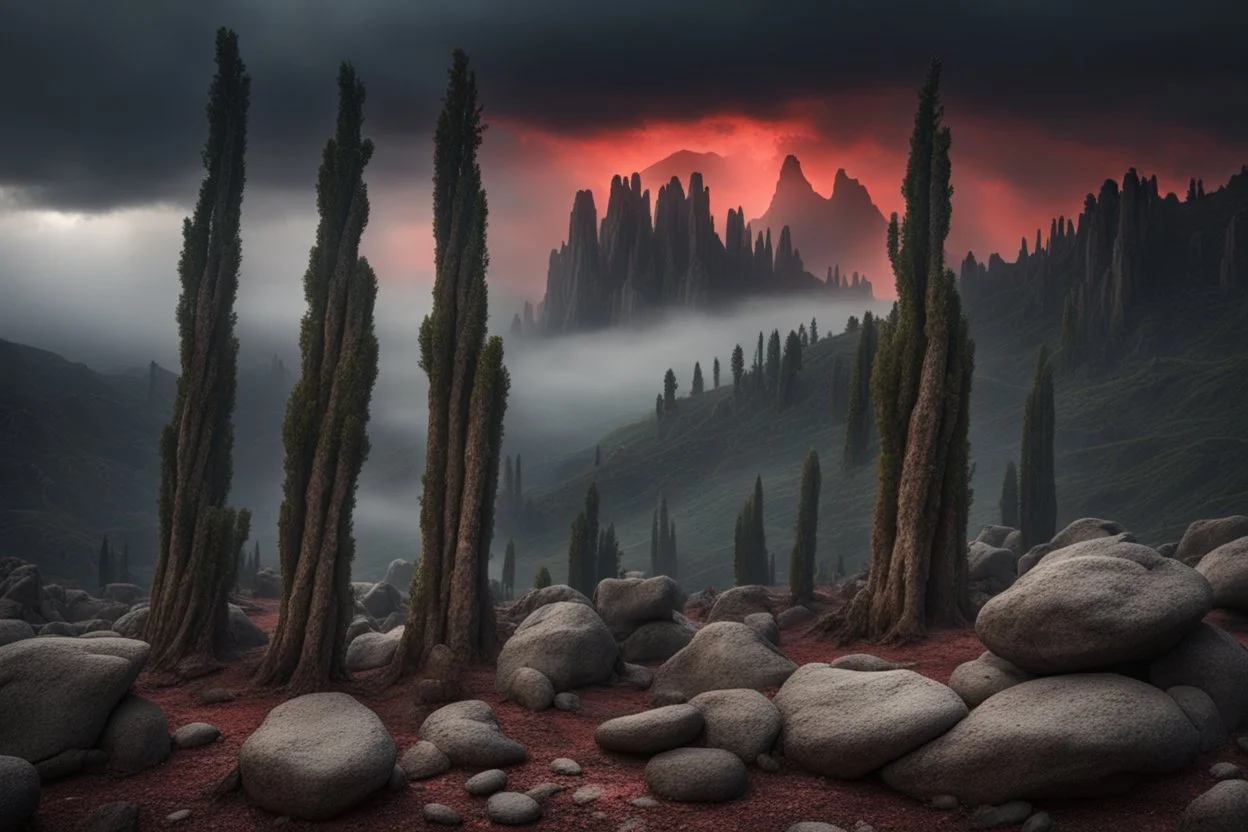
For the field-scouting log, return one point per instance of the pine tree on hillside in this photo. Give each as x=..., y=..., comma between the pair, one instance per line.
x=921, y=385
x=580, y=572
x=802, y=561
x=542, y=579
x=468, y=389
x=851, y=325
x=104, y=564
x=509, y=571
x=749, y=558
x=790, y=363
x=1036, y=486
x=326, y=420
x=802, y=335
x=814, y=331
x=608, y=554
x=696, y=388
x=672, y=569
x=658, y=407
x=760, y=380
x=773, y=361
x=715, y=374
x=738, y=370
x=1009, y=497
x=669, y=391
x=200, y=537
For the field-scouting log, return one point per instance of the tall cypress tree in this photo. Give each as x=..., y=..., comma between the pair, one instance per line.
x=715, y=374
x=772, y=370
x=749, y=555
x=580, y=572
x=325, y=431
x=696, y=387
x=738, y=369
x=673, y=561
x=790, y=363
x=669, y=391
x=814, y=331
x=608, y=554
x=760, y=377
x=468, y=387
x=1037, y=488
x=665, y=540
x=509, y=570
x=802, y=561
x=921, y=386
x=858, y=415
x=200, y=537
x=1009, y=497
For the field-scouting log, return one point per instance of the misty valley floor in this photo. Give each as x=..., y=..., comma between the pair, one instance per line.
x=773, y=803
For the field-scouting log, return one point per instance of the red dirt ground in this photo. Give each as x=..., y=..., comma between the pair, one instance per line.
x=773, y=803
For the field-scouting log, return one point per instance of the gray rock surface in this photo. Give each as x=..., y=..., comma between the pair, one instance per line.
x=764, y=623
x=136, y=736
x=468, y=733
x=1201, y=711
x=566, y=641
x=543, y=792
x=1226, y=771
x=486, y=783
x=566, y=767
x=980, y=678
x=19, y=792
x=441, y=815
x=634, y=675
x=513, y=809
x=742, y=721
x=316, y=756
x=650, y=732
x=14, y=629
x=1221, y=809
x=369, y=651
x=195, y=734
x=1084, y=529
x=867, y=663
x=722, y=656
x=697, y=775
x=658, y=641
x=244, y=634
x=122, y=816
x=586, y=795
x=794, y=616
x=132, y=623
x=1007, y=814
x=532, y=689
x=847, y=723
x=535, y=599
x=736, y=603
x=567, y=701
x=1213, y=660
x=399, y=575
x=814, y=826
x=1039, y=822
x=1226, y=569
x=994, y=567
x=1203, y=536
x=627, y=603
x=1060, y=736
x=382, y=600
x=424, y=760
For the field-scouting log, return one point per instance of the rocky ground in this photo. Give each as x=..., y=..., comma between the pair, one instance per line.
x=612, y=791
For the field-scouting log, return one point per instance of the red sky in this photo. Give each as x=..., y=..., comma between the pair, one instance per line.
x=1010, y=178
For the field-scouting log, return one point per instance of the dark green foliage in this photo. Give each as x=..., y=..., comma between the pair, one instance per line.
x=858, y=414
x=608, y=554
x=760, y=361
x=696, y=388
x=583, y=546
x=773, y=362
x=802, y=561
x=1037, y=487
x=104, y=564
x=790, y=364
x=663, y=560
x=715, y=374
x=814, y=331
x=655, y=563
x=658, y=406
x=851, y=325
x=738, y=369
x=669, y=391
x=771, y=570
x=749, y=555
x=509, y=571
x=1009, y=497
x=803, y=335
x=542, y=579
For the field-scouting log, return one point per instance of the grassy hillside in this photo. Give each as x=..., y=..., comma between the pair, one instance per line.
x=1154, y=442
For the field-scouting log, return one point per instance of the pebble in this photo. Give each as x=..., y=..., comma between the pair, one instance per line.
x=1007, y=814
x=946, y=802
x=512, y=809
x=545, y=791
x=442, y=815
x=587, y=794
x=563, y=765
x=195, y=734
x=487, y=782
x=181, y=814
x=1039, y=822
x=1226, y=771
x=632, y=825
x=567, y=702
x=644, y=802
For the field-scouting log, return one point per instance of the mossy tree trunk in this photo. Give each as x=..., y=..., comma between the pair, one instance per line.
x=326, y=418
x=200, y=538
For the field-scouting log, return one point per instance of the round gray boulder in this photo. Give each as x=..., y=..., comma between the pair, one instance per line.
x=867, y=663
x=1201, y=711
x=1221, y=809
x=1084, y=529
x=793, y=617
x=1213, y=660
x=532, y=689
x=742, y=721
x=736, y=603
x=627, y=603
x=19, y=792
x=980, y=678
x=1226, y=569
x=195, y=734
x=513, y=809
x=1063, y=736
x=566, y=641
x=697, y=775
x=535, y=599
x=722, y=656
x=847, y=723
x=14, y=629
x=399, y=575
x=1094, y=604
x=658, y=641
x=486, y=783
x=132, y=623
x=764, y=623
x=650, y=732
x=1203, y=536
x=136, y=737
x=423, y=760
x=991, y=567
x=467, y=732
x=382, y=600
x=994, y=536
x=368, y=650
x=316, y=756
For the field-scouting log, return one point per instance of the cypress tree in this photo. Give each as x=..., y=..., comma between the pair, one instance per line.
x=1009, y=497
x=771, y=570
x=468, y=386
x=802, y=335
x=665, y=540
x=921, y=385
x=758, y=534
x=200, y=537
x=786, y=389
x=580, y=572
x=840, y=390
x=715, y=374
x=760, y=379
x=749, y=556
x=696, y=388
x=608, y=554
x=851, y=326
x=814, y=331
x=773, y=361
x=542, y=579
x=658, y=407
x=802, y=561
x=325, y=431
x=858, y=415
x=738, y=369
x=669, y=391
x=104, y=564
x=509, y=570
x=1037, y=489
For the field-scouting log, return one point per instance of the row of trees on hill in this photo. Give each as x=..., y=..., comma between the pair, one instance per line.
x=1029, y=500
x=593, y=552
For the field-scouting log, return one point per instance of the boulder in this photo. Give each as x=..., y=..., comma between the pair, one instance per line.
x=1213, y=660
x=21, y=586
x=467, y=732
x=19, y=792
x=382, y=600
x=1201, y=711
x=316, y=756
x=128, y=594
x=794, y=617
x=136, y=737
x=697, y=775
x=867, y=663
x=993, y=567
x=359, y=625
x=722, y=656
x=70, y=762
x=1226, y=569
x=122, y=816
x=195, y=734
x=101, y=634
x=14, y=629
x=1086, y=528
x=1094, y=604
x=393, y=621
x=566, y=766
x=650, y=732
x=486, y=783
x=1203, y=536
x=994, y=536
x=985, y=676
x=848, y=723
x=268, y=583
x=1007, y=814
x=369, y=651
x=1221, y=809
x=93, y=625
x=423, y=760
x=634, y=675
x=56, y=694
x=244, y=634
x=658, y=641
x=567, y=701
x=566, y=641
x=764, y=623
x=813, y=826
x=627, y=603
x=742, y=721
x=132, y=623
x=441, y=815
x=513, y=809
x=58, y=628
x=399, y=575
x=535, y=599
x=1033, y=556
x=736, y=603
x=532, y=689
x=1167, y=550
x=1081, y=735
x=78, y=606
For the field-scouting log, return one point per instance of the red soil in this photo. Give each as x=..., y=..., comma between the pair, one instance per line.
x=774, y=802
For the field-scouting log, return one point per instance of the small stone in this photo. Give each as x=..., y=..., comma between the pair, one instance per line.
x=1226, y=771
x=567, y=702
x=213, y=696
x=767, y=763
x=181, y=814
x=398, y=779
x=1039, y=822
x=814, y=826
x=946, y=802
x=1007, y=814
x=563, y=765
x=632, y=825
x=423, y=760
x=196, y=734
x=543, y=792
x=863, y=826
x=513, y=809
x=587, y=794
x=487, y=782
x=644, y=802
x=122, y=816
x=442, y=815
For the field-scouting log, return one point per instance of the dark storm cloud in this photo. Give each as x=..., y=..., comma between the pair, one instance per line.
x=103, y=102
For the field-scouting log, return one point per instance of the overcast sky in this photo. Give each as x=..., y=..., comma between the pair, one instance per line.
x=103, y=122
